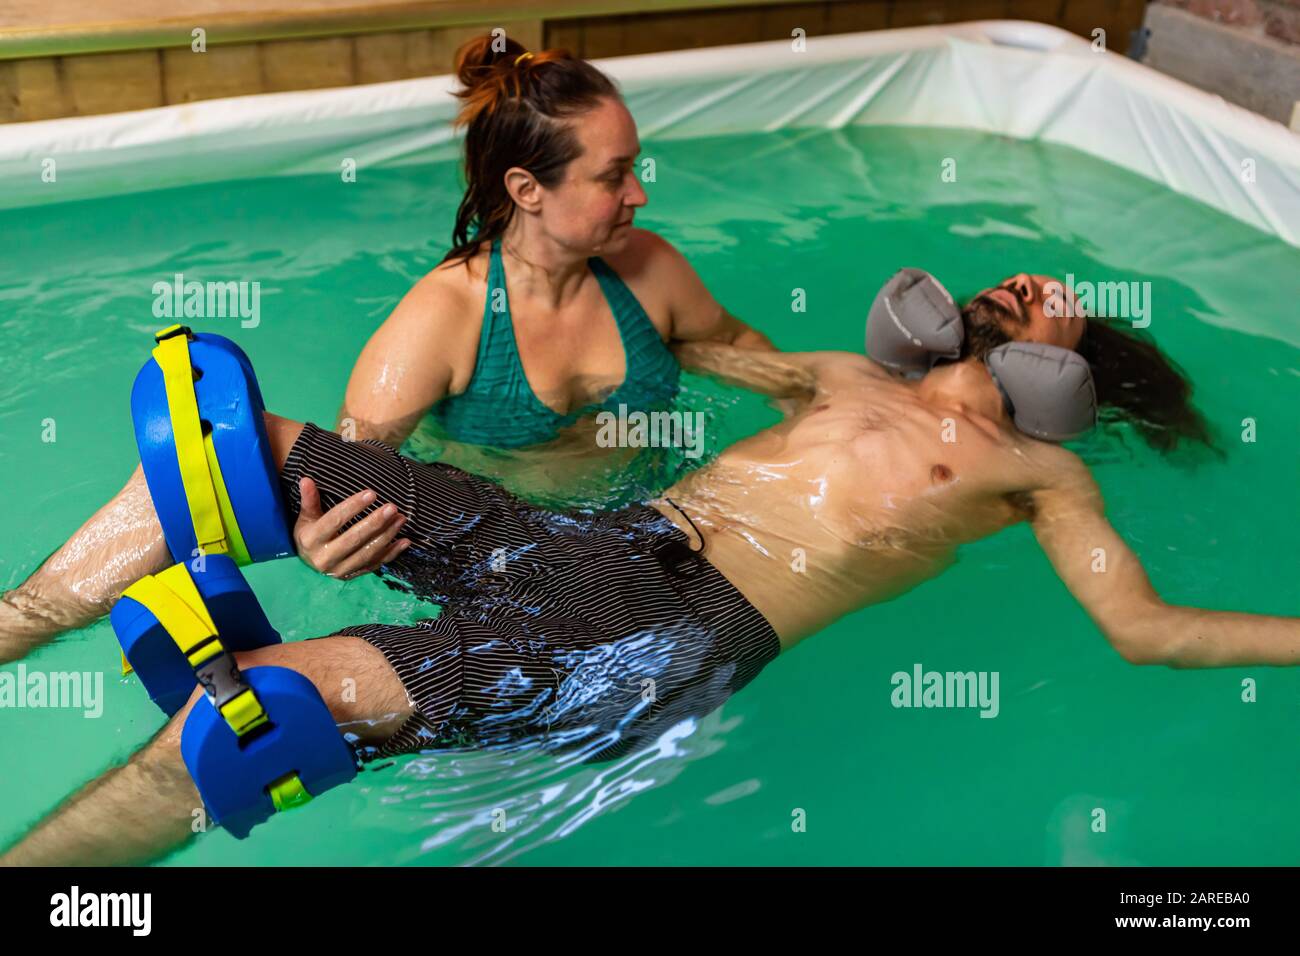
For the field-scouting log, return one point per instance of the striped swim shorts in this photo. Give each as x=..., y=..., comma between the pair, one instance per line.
x=572, y=630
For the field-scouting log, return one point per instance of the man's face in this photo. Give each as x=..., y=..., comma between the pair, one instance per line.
x=1032, y=308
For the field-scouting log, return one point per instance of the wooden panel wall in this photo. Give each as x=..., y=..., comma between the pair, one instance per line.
x=50, y=87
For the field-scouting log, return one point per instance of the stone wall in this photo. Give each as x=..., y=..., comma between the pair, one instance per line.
x=1276, y=18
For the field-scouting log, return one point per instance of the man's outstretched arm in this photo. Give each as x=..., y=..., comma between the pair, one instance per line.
x=144, y=810
x=1108, y=579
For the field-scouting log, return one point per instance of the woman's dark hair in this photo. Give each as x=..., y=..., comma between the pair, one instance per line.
x=1135, y=381
x=514, y=110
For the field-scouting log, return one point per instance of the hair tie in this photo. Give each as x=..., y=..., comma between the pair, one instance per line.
x=523, y=56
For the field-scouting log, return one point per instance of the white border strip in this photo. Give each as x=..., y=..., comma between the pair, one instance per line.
x=1028, y=80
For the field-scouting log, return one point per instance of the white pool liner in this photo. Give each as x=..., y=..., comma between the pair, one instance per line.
x=1026, y=80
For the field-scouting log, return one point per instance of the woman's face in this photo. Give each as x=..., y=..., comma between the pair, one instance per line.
x=591, y=210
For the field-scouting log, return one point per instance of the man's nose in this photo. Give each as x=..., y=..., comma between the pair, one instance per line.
x=1023, y=286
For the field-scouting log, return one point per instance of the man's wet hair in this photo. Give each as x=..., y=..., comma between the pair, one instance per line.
x=1135, y=381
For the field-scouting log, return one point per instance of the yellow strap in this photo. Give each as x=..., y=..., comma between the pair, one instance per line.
x=177, y=580
x=173, y=599
x=175, y=602
x=238, y=550
x=244, y=713
x=173, y=357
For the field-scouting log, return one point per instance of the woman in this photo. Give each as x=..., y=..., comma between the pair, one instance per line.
x=549, y=307
x=550, y=304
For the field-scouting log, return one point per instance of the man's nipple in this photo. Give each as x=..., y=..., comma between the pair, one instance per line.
x=940, y=474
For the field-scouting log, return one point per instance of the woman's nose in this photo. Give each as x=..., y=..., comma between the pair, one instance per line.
x=637, y=197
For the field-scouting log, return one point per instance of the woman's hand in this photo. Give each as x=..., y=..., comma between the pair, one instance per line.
x=344, y=554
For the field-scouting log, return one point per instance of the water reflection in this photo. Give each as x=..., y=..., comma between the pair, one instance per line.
x=493, y=807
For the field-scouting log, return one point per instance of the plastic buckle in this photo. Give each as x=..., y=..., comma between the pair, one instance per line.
x=221, y=679
x=172, y=331
x=288, y=793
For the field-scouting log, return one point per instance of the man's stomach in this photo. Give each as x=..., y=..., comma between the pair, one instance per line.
x=803, y=579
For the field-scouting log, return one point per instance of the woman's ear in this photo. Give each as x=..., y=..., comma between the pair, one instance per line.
x=523, y=188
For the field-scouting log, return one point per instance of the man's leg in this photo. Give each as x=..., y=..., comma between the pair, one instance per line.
x=121, y=543
x=146, y=809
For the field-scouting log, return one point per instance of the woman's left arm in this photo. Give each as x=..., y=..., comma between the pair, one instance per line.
x=697, y=316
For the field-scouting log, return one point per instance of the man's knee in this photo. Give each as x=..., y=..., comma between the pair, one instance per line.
x=361, y=689
x=282, y=433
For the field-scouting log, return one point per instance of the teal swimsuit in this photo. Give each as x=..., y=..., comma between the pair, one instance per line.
x=499, y=407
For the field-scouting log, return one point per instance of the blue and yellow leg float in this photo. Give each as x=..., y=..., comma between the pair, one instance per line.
x=205, y=452
x=158, y=611
x=262, y=740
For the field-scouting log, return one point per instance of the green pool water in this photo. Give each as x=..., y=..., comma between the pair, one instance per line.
x=1185, y=770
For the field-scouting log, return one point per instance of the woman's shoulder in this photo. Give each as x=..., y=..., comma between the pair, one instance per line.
x=457, y=281
x=648, y=260
x=644, y=253
x=439, y=317
x=650, y=266
x=445, y=298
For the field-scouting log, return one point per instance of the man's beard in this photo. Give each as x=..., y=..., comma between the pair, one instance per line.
x=985, y=321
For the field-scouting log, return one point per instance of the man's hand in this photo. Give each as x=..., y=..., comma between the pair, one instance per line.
x=324, y=544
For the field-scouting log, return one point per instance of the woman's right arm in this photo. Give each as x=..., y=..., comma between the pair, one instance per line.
x=784, y=375
x=408, y=365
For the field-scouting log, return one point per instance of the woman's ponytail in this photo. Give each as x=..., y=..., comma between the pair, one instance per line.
x=514, y=108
